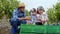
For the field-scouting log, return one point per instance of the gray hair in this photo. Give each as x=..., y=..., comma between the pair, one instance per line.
x=40, y=8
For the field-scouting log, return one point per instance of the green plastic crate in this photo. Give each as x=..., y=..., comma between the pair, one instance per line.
x=37, y=29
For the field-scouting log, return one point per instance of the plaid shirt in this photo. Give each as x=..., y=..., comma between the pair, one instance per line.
x=17, y=14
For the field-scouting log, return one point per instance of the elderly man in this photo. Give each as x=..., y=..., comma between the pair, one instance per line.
x=18, y=17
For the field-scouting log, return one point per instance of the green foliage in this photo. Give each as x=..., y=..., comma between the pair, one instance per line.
x=27, y=12
x=57, y=9
x=54, y=13
x=51, y=14
x=1, y=15
x=6, y=7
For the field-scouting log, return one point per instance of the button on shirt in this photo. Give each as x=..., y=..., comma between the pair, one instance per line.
x=17, y=14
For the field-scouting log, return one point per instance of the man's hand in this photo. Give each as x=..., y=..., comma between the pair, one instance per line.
x=21, y=18
x=26, y=18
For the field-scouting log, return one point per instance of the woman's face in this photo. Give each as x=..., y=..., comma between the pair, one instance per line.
x=40, y=11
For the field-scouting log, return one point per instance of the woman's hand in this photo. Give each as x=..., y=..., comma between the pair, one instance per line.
x=39, y=19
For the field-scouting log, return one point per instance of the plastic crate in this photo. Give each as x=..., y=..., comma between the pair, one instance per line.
x=38, y=29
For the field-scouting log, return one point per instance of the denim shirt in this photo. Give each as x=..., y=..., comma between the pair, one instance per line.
x=17, y=14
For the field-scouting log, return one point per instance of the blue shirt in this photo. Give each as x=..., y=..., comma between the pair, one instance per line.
x=17, y=14
x=33, y=18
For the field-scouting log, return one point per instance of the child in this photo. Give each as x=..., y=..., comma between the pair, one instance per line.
x=41, y=18
x=33, y=16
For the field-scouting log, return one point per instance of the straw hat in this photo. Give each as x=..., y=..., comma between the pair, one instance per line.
x=21, y=4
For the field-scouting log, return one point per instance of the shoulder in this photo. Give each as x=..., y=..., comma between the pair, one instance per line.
x=15, y=11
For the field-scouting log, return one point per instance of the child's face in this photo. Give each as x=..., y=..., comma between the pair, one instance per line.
x=33, y=13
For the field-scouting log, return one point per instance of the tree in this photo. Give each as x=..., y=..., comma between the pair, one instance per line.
x=57, y=9
x=54, y=13
x=27, y=12
x=6, y=7
x=51, y=14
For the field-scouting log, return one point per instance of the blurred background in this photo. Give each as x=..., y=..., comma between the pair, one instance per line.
x=52, y=8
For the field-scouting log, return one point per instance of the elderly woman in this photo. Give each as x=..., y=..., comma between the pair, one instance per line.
x=41, y=17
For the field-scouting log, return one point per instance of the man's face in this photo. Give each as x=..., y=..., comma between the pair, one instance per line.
x=22, y=9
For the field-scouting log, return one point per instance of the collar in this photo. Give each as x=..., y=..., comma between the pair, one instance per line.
x=20, y=11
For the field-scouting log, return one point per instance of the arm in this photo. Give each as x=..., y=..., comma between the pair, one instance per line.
x=15, y=15
x=45, y=19
x=38, y=17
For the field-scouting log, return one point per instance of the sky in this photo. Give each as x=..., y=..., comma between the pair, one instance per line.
x=36, y=3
